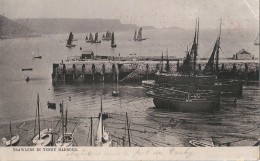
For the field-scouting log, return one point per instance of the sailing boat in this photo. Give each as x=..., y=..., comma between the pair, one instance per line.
x=36, y=57
x=66, y=139
x=96, y=39
x=257, y=40
x=113, y=45
x=139, y=36
x=103, y=138
x=107, y=37
x=69, y=42
x=13, y=141
x=208, y=79
x=44, y=137
x=90, y=38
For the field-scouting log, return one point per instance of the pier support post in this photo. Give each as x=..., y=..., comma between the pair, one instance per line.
x=74, y=72
x=103, y=72
x=93, y=72
x=246, y=73
x=83, y=72
x=234, y=70
x=147, y=71
x=178, y=65
x=64, y=72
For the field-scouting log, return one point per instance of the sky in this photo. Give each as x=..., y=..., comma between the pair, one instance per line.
x=157, y=13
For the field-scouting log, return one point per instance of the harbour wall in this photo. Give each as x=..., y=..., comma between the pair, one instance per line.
x=128, y=71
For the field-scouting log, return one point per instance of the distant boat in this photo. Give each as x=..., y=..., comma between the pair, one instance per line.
x=69, y=41
x=113, y=45
x=96, y=39
x=27, y=69
x=36, y=57
x=201, y=143
x=257, y=40
x=44, y=137
x=139, y=36
x=14, y=140
x=115, y=93
x=51, y=105
x=66, y=138
x=90, y=38
x=103, y=137
x=107, y=37
x=27, y=79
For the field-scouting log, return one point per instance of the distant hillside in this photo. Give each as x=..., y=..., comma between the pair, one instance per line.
x=64, y=25
x=10, y=29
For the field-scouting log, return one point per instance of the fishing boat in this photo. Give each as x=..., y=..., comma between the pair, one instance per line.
x=185, y=101
x=113, y=45
x=257, y=40
x=27, y=69
x=107, y=37
x=66, y=138
x=103, y=137
x=115, y=93
x=96, y=39
x=51, y=105
x=69, y=41
x=14, y=140
x=90, y=38
x=139, y=36
x=208, y=78
x=44, y=137
x=36, y=57
x=201, y=143
x=27, y=79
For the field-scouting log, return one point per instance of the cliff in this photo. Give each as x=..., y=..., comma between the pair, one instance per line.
x=65, y=25
x=11, y=29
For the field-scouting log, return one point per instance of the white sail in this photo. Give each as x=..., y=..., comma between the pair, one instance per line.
x=102, y=140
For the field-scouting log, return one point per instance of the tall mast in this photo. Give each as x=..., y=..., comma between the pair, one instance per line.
x=101, y=115
x=38, y=108
x=195, y=43
x=91, y=126
x=62, y=121
x=218, y=46
x=129, y=141
x=66, y=120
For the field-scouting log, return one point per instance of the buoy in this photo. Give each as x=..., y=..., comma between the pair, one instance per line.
x=27, y=79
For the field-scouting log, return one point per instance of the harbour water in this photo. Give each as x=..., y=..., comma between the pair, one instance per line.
x=18, y=98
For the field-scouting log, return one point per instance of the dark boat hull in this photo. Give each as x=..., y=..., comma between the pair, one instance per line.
x=70, y=46
x=187, y=106
x=140, y=39
x=225, y=88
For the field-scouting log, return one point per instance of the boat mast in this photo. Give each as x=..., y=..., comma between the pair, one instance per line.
x=113, y=39
x=91, y=126
x=101, y=115
x=218, y=46
x=127, y=123
x=62, y=121
x=195, y=47
x=38, y=108
x=11, y=133
x=66, y=117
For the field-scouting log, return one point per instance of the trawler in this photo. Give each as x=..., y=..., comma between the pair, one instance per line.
x=208, y=79
x=139, y=36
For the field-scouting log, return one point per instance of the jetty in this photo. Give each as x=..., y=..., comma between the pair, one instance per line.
x=95, y=68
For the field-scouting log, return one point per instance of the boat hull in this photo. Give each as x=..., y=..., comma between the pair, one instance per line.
x=45, y=138
x=187, y=106
x=233, y=88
